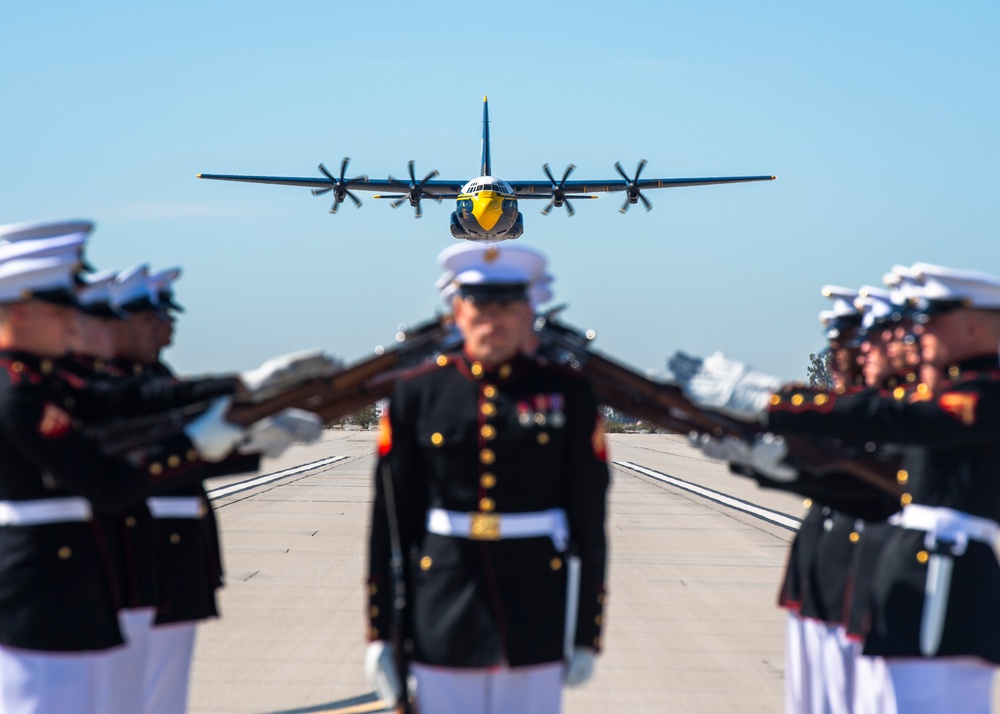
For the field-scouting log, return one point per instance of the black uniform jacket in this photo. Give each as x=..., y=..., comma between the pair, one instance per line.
x=188, y=550
x=57, y=588
x=955, y=435
x=521, y=438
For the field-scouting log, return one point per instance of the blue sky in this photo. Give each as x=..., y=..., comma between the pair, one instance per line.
x=880, y=121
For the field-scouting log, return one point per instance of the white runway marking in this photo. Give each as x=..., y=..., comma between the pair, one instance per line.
x=765, y=514
x=268, y=478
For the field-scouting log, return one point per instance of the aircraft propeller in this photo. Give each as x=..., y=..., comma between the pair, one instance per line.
x=559, y=196
x=632, y=191
x=414, y=190
x=339, y=187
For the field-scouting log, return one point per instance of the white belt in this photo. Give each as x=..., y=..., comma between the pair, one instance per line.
x=44, y=510
x=176, y=506
x=497, y=526
x=950, y=526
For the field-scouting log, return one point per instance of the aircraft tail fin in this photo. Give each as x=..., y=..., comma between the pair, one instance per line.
x=486, y=138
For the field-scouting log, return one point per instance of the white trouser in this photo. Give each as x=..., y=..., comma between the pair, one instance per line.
x=837, y=656
x=499, y=690
x=168, y=668
x=796, y=666
x=944, y=684
x=872, y=687
x=33, y=682
x=121, y=673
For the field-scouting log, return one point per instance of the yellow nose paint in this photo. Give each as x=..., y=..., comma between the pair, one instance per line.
x=487, y=207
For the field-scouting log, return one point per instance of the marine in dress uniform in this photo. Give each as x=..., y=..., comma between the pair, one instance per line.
x=496, y=467
x=937, y=581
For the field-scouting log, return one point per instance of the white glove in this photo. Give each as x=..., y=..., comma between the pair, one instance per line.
x=729, y=386
x=214, y=437
x=727, y=448
x=285, y=371
x=274, y=434
x=380, y=670
x=580, y=666
x=767, y=457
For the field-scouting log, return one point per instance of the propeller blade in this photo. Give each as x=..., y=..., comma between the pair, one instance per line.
x=569, y=170
x=548, y=173
x=618, y=166
x=545, y=211
x=398, y=202
x=333, y=208
x=320, y=191
x=569, y=208
x=419, y=212
x=343, y=167
x=327, y=173
x=409, y=166
x=624, y=207
x=642, y=165
x=645, y=202
x=357, y=201
x=429, y=176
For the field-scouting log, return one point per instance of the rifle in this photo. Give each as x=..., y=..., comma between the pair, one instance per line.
x=665, y=404
x=399, y=643
x=330, y=397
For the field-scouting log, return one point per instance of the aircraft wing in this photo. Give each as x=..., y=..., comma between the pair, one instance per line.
x=543, y=189
x=444, y=189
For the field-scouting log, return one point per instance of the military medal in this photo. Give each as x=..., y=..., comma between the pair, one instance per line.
x=524, y=414
x=556, y=416
x=541, y=407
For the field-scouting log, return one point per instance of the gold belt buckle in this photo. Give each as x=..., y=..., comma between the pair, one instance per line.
x=485, y=526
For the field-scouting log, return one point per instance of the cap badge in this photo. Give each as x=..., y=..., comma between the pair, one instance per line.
x=492, y=254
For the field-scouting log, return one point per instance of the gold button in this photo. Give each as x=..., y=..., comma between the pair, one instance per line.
x=487, y=480
x=175, y=538
x=156, y=468
x=598, y=620
x=922, y=388
x=905, y=499
x=797, y=400
x=555, y=563
x=505, y=371
x=46, y=366
x=902, y=476
x=442, y=361
x=923, y=556
x=373, y=611
x=130, y=521
x=476, y=369
x=775, y=400
x=426, y=562
x=600, y=599
x=899, y=393
x=489, y=391
x=192, y=455
x=820, y=399
x=543, y=438
x=954, y=371
x=488, y=432
x=487, y=457
x=16, y=367
x=807, y=503
x=174, y=461
x=488, y=409
x=437, y=439
x=597, y=643
x=372, y=589
x=65, y=552
x=373, y=633
x=855, y=536
x=487, y=505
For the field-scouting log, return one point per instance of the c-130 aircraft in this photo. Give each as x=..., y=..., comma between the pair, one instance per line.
x=486, y=207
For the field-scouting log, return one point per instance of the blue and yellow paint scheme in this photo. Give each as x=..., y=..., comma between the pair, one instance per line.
x=486, y=207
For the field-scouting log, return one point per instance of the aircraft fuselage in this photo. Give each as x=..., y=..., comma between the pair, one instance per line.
x=486, y=210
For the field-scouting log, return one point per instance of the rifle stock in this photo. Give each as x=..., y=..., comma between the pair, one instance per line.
x=625, y=390
x=330, y=397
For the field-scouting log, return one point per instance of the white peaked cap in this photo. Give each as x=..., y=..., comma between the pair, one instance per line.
x=964, y=288
x=875, y=306
x=470, y=265
x=39, y=239
x=162, y=281
x=34, y=277
x=97, y=288
x=129, y=287
x=843, y=299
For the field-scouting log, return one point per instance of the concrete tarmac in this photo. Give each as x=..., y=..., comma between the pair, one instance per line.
x=692, y=624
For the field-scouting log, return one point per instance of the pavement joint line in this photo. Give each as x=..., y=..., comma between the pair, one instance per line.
x=765, y=514
x=256, y=481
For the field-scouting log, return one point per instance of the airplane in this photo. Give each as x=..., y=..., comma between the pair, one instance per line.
x=486, y=207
